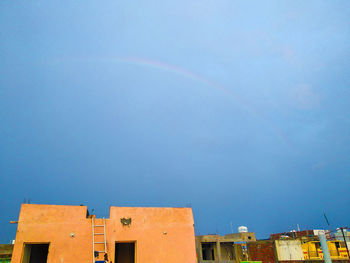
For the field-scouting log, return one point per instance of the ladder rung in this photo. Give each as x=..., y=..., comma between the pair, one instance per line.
x=95, y=234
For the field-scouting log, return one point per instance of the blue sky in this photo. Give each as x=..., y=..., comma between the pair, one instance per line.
x=237, y=108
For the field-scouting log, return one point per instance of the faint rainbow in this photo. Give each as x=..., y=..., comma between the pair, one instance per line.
x=201, y=79
x=173, y=69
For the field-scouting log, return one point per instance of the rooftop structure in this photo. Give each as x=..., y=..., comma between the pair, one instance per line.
x=227, y=248
x=66, y=234
x=5, y=253
x=293, y=234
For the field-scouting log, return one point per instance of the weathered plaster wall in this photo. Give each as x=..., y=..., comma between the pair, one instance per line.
x=289, y=250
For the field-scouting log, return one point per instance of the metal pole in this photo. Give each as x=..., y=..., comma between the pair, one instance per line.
x=324, y=246
x=346, y=245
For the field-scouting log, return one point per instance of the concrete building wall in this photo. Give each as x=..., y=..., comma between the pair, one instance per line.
x=227, y=251
x=289, y=250
x=241, y=237
x=223, y=248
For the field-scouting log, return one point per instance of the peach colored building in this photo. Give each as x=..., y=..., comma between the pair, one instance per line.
x=66, y=234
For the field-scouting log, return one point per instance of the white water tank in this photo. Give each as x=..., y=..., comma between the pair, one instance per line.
x=242, y=229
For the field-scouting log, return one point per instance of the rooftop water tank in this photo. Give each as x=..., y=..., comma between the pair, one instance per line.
x=242, y=229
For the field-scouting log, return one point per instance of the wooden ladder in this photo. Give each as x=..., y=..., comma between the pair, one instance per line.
x=98, y=243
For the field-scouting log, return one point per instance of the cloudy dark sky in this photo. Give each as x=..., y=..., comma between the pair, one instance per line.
x=240, y=109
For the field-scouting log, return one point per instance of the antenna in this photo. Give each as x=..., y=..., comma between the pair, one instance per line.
x=329, y=226
x=325, y=217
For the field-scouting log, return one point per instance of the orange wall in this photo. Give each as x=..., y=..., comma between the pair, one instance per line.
x=161, y=235
x=53, y=224
x=148, y=228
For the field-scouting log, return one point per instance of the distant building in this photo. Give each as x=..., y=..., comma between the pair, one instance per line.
x=339, y=235
x=67, y=234
x=228, y=248
x=296, y=246
x=293, y=234
x=5, y=253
